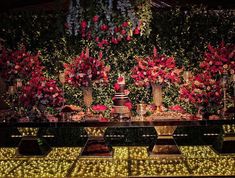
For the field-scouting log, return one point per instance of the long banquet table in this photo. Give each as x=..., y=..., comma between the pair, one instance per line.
x=164, y=142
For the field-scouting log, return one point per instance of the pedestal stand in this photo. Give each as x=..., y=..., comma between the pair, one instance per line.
x=30, y=144
x=95, y=145
x=165, y=144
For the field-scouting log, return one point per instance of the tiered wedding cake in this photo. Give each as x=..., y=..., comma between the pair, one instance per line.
x=121, y=107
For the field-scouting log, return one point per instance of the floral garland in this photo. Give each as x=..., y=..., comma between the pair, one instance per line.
x=219, y=61
x=158, y=69
x=19, y=64
x=201, y=90
x=41, y=92
x=105, y=29
x=84, y=69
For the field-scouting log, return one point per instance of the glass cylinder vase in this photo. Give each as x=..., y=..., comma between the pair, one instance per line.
x=157, y=96
x=87, y=98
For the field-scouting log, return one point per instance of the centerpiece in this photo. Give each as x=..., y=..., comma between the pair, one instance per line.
x=156, y=71
x=83, y=72
x=202, y=91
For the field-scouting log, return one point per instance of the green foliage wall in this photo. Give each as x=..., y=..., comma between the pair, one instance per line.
x=183, y=33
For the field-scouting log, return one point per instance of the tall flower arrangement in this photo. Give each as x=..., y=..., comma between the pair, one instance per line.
x=202, y=90
x=85, y=69
x=159, y=69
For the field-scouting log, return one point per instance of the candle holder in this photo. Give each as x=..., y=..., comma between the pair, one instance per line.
x=141, y=110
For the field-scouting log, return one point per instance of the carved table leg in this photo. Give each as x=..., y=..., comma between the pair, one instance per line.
x=165, y=144
x=30, y=144
x=95, y=145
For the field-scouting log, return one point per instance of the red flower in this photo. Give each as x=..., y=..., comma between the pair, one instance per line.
x=177, y=108
x=125, y=24
x=128, y=38
x=137, y=31
x=83, y=24
x=123, y=32
x=114, y=40
x=116, y=29
x=104, y=27
x=116, y=87
x=128, y=104
x=95, y=18
x=99, y=107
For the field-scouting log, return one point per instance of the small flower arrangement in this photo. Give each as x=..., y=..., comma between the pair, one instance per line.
x=19, y=64
x=42, y=92
x=158, y=69
x=220, y=60
x=84, y=69
x=201, y=90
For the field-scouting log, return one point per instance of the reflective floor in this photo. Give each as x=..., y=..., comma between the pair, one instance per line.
x=126, y=162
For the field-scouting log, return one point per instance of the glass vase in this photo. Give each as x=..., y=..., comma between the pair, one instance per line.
x=87, y=98
x=157, y=96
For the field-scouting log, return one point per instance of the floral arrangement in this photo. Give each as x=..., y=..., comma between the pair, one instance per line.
x=201, y=90
x=159, y=69
x=42, y=92
x=19, y=64
x=220, y=60
x=84, y=69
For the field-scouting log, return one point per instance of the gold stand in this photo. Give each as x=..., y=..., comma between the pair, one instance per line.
x=165, y=144
x=95, y=145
